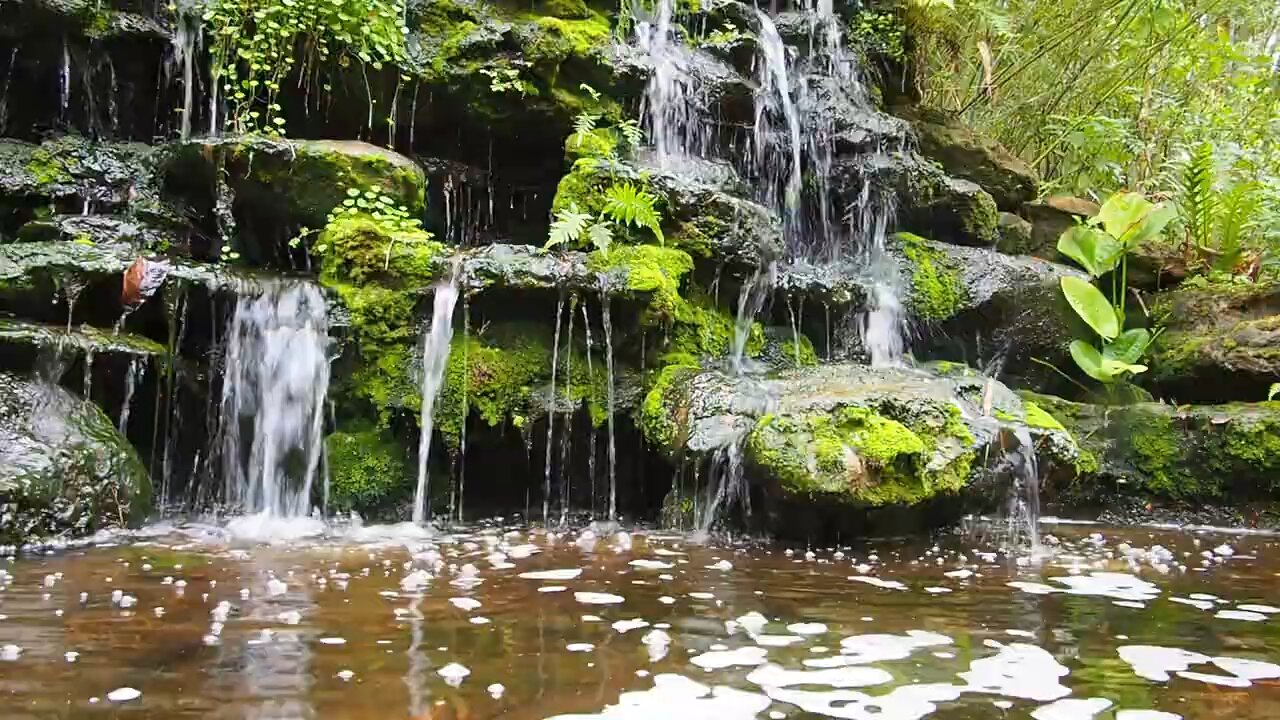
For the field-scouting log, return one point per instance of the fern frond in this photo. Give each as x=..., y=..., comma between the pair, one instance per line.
x=1198, y=201
x=632, y=135
x=629, y=205
x=567, y=228
x=584, y=124
x=601, y=235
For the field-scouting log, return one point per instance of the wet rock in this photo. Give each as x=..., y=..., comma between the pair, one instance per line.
x=929, y=202
x=849, y=435
x=1166, y=454
x=96, y=230
x=1014, y=235
x=76, y=170
x=1221, y=342
x=1050, y=218
x=19, y=334
x=278, y=187
x=84, y=18
x=712, y=224
x=63, y=466
x=964, y=153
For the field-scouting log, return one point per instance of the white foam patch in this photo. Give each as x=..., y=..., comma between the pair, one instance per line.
x=863, y=649
x=771, y=675
x=1146, y=715
x=464, y=604
x=1155, y=663
x=1240, y=615
x=124, y=694
x=1034, y=588
x=1020, y=671
x=1199, y=604
x=720, y=659
x=677, y=696
x=1071, y=709
x=566, y=574
x=579, y=647
x=1248, y=669
x=909, y=702
x=651, y=564
x=625, y=626
x=552, y=588
x=878, y=582
x=1117, y=586
x=777, y=640
x=1264, y=609
x=595, y=598
x=807, y=628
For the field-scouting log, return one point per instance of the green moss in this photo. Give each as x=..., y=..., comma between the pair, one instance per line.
x=48, y=169
x=800, y=353
x=1038, y=417
x=556, y=39
x=567, y=9
x=651, y=270
x=366, y=469
x=861, y=456
x=1158, y=450
x=501, y=377
x=599, y=143
x=379, y=275
x=664, y=414
x=698, y=236
x=937, y=292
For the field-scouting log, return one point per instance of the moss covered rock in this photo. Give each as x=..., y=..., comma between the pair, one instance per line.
x=64, y=469
x=846, y=435
x=1221, y=342
x=368, y=471
x=1209, y=454
x=964, y=153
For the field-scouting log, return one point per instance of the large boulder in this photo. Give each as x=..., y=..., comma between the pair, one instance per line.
x=64, y=469
x=1161, y=453
x=966, y=154
x=929, y=202
x=846, y=435
x=1221, y=342
x=1050, y=218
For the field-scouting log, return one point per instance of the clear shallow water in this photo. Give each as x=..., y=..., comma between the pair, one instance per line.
x=385, y=625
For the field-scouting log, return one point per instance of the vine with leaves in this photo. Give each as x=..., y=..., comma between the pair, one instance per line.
x=257, y=44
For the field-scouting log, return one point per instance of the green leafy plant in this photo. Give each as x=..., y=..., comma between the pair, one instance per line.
x=627, y=134
x=629, y=205
x=395, y=220
x=255, y=44
x=1222, y=216
x=506, y=78
x=1101, y=246
x=625, y=205
x=728, y=34
x=571, y=227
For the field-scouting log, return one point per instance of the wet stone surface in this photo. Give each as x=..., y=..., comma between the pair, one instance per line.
x=494, y=620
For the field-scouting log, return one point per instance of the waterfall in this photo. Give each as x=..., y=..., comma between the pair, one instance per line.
x=884, y=322
x=274, y=387
x=591, y=435
x=775, y=96
x=436, y=340
x=1022, y=522
x=64, y=78
x=185, y=39
x=725, y=485
x=671, y=109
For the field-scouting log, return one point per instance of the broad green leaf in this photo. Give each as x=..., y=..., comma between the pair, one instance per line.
x=1128, y=347
x=1092, y=306
x=1094, y=250
x=1122, y=213
x=1089, y=360
x=1152, y=225
x=1117, y=368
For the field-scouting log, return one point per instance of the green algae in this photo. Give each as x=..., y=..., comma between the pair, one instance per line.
x=937, y=292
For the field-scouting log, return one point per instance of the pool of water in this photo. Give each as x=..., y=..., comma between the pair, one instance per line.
x=513, y=622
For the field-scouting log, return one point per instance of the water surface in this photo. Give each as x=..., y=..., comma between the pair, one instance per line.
x=642, y=625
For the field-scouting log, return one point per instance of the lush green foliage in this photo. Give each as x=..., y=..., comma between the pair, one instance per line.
x=1107, y=95
x=624, y=204
x=257, y=44
x=1101, y=246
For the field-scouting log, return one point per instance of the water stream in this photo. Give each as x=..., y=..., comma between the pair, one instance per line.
x=436, y=341
x=274, y=387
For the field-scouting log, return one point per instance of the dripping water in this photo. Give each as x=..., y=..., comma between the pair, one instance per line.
x=566, y=433
x=750, y=301
x=608, y=356
x=466, y=407
x=591, y=435
x=774, y=98
x=884, y=323
x=671, y=109
x=136, y=365
x=185, y=44
x=725, y=487
x=435, y=357
x=4, y=89
x=274, y=388
x=1022, y=520
x=551, y=415
x=64, y=78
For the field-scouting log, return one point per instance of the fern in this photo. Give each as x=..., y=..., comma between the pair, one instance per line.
x=632, y=135
x=629, y=205
x=584, y=124
x=1199, y=203
x=1238, y=211
x=601, y=235
x=568, y=227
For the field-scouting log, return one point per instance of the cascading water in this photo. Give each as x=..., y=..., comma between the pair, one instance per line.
x=435, y=358
x=274, y=387
x=726, y=486
x=884, y=321
x=777, y=167
x=1022, y=521
x=551, y=415
x=185, y=45
x=750, y=302
x=672, y=109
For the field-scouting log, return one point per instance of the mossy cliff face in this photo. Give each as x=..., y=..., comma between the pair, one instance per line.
x=368, y=471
